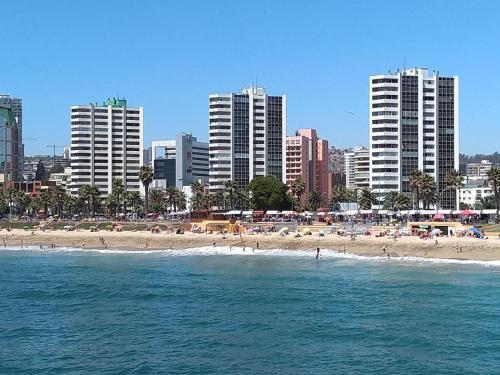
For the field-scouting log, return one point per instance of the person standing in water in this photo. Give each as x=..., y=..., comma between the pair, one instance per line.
x=317, y=253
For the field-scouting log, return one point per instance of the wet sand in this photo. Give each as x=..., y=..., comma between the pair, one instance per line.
x=472, y=249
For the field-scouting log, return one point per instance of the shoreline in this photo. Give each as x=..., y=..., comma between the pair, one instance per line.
x=370, y=246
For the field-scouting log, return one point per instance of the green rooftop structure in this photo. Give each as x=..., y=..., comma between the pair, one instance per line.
x=115, y=102
x=7, y=116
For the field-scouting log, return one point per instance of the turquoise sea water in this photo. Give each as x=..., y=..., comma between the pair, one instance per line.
x=74, y=312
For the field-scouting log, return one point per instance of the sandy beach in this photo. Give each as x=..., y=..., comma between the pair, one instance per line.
x=472, y=249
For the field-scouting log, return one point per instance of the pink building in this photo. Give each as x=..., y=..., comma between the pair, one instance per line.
x=307, y=158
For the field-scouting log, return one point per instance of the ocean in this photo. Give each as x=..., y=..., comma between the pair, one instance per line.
x=221, y=311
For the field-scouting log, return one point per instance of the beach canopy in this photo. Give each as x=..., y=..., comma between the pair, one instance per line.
x=321, y=213
x=436, y=231
x=308, y=213
x=247, y=213
x=233, y=212
x=273, y=212
x=489, y=211
x=351, y=212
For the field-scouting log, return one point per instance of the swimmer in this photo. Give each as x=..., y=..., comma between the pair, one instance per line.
x=317, y=253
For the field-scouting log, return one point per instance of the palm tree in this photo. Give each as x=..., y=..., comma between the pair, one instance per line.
x=339, y=194
x=46, y=198
x=402, y=202
x=118, y=193
x=415, y=181
x=390, y=201
x=197, y=188
x=366, y=198
x=428, y=191
x=486, y=203
x=90, y=197
x=297, y=189
x=315, y=200
x=23, y=202
x=146, y=176
x=35, y=205
x=494, y=180
x=230, y=191
x=170, y=198
x=58, y=198
x=134, y=201
x=454, y=181
x=180, y=199
x=157, y=198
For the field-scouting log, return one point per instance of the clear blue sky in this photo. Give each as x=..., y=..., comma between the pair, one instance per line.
x=169, y=55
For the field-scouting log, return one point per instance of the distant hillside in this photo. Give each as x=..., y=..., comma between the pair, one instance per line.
x=494, y=158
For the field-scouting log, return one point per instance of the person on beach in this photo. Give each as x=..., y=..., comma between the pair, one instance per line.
x=461, y=248
x=384, y=249
x=344, y=249
x=456, y=247
x=388, y=255
x=147, y=245
x=436, y=242
x=317, y=253
x=83, y=245
x=213, y=244
x=257, y=244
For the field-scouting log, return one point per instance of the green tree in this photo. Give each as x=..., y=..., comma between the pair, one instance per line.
x=46, y=198
x=314, y=200
x=23, y=202
x=118, y=195
x=230, y=192
x=494, y=180
x=428, y=191
x=90, y=198
x=268, y=193
x=366, y=198
x=58, y=199
x=146, y=175
x=157, y=200
x=297, y=190
x=415, y=181
x=133, y=201
x=36, y=205
x=454, y=181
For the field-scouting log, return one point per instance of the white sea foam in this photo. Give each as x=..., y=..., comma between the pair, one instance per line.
x=249, y=251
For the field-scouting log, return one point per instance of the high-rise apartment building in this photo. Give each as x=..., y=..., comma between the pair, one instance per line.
x=106, y=144
x=357, y=168
x=307, y=158
x=179, y=162
x=414, y=124
x=247, y=137
x=11, y=139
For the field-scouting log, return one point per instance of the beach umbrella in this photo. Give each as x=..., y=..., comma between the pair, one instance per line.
x=466, y=212
x=436, y=231
x=283, y=231
x=474, y=231
x=438, y=217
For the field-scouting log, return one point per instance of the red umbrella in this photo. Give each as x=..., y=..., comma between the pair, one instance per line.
x=466, y=212
x=438, y=217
